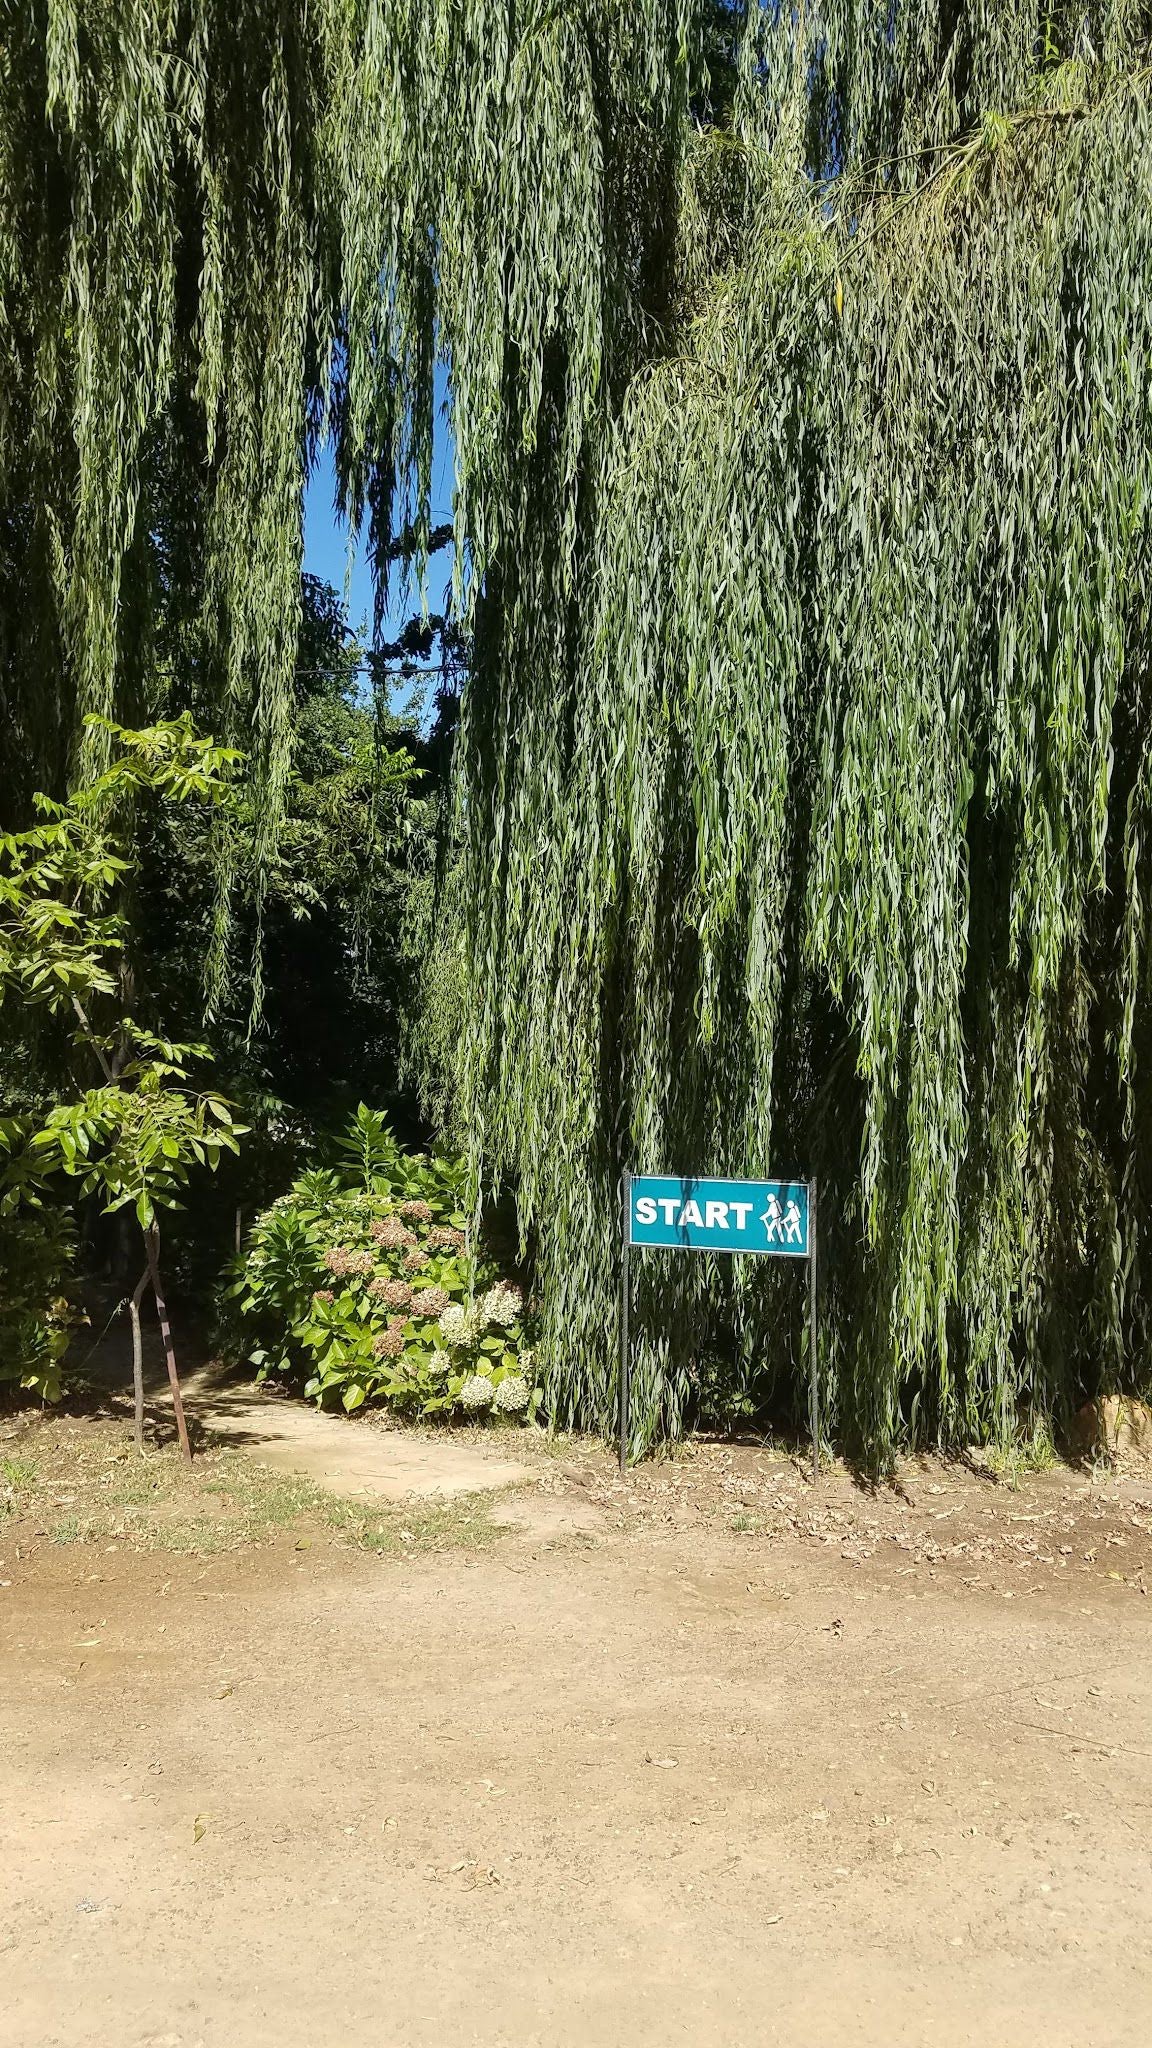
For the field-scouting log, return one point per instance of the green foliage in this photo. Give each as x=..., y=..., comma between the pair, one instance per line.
x=337, y=918
x=434, y=1020
x=37, y=1315
x=225, y=231
x=365, y=1278
x=813, y=834
x=803, y=473
x=59, y=943
x=134, y=1139
x=368, y=1153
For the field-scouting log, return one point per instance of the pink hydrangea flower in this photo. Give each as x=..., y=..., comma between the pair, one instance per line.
x=397, y=1293
x=430, y=1301
x=391, y=1233
x=341, y=1261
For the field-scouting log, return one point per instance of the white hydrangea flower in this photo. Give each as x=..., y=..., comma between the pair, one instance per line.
x=460, y=1325
x=501, y=1305
x=511, y=1396
x=441, y=1361
x=476, y=1393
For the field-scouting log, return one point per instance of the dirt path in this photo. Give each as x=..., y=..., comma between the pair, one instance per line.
x=343, y=1455
x=350, y=1456
x=688, y=1777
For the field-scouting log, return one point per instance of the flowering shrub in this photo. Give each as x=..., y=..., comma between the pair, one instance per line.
x=373, y=1292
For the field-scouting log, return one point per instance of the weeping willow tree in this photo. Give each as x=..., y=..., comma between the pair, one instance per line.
x=809, y=821
x=802, y=474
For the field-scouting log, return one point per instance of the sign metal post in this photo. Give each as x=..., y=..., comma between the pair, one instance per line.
x=625, y=1349
x=813, y=1359
x=766, y=1218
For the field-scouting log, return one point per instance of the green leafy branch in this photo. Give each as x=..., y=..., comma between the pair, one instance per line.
x=133, y=1139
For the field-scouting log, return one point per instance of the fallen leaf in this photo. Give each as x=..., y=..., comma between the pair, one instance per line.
x=199, y=1829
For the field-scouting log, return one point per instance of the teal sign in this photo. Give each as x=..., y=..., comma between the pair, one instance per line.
x=762, y=1216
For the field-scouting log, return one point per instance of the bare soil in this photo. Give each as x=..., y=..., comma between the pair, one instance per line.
x=700, y=1757
x=347, y=1454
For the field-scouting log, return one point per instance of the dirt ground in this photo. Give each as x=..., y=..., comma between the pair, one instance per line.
x=701, y=1757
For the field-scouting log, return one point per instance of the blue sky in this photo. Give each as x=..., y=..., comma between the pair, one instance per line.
x=326, y=536
x=326, y=544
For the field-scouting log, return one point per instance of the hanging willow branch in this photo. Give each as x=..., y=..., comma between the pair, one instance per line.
x=226, y=229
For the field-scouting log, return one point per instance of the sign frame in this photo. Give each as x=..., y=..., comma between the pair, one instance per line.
x=677, y=1212
x=723, y=1250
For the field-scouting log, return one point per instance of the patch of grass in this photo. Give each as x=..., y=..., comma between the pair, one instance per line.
x=463, y=1522
x=17, y=1475
x=674, y=1450
x=1013, y=1462
x=746, y=1525
x=224, y=1501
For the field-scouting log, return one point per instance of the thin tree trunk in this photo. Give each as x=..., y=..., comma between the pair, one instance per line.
x=152, y=1246
x=138, y=1357
x=97, y=1048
